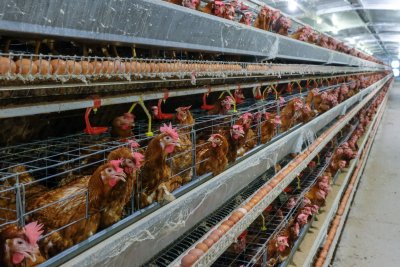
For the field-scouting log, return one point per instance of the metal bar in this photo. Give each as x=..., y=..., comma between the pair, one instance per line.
x=142, y=22
x=10, y=112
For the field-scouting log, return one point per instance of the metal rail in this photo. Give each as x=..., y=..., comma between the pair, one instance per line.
x=58, y=106
x=157, y=23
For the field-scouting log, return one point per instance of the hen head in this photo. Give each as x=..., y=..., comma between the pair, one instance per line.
x=237, y=131
x=124, y=122
x=219, y=8
x=306, y=201
x=342, y=164
x=277, y=121
x=247, y=17
x=282, y=242
x=297, y=104
x=111, y=173
x=20, y=244
x=216, y=140
x=302, y=219
x=154, y=111
x=291, y=203
x=246, y=118
x=193, y=4
x=182, y=113
x=296, y=229
x=229, y=11
x=276, y=14
x=285, y=22
x=169, y=138
x=227, y=103
x=307, y=211
x=264, y=11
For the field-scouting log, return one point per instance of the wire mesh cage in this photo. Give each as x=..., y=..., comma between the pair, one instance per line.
x=30, y=171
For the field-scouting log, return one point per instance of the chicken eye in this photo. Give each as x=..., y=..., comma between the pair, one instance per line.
x=109, y=170
x=168, y=138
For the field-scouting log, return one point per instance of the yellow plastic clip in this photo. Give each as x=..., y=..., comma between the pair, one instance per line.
x=273, y=87
x=298, y=181
x=263, y=227
x=132, y=107
x=298, y=83
x=221, y=95
x=141, y=103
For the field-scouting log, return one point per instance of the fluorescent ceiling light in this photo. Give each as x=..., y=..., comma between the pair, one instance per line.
x=334, y=30
x=292, y=5
x=334, y=18
x=395, y=64
x=319, y=20
x=352, y=41
x=396, y=72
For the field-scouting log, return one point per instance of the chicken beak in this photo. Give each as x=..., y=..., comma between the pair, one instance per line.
x=178, y=143
x=120, y=177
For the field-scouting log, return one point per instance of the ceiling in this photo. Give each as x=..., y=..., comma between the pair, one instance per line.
x=371, y=25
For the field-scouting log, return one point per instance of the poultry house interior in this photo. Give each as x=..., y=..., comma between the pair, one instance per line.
x=198, y=132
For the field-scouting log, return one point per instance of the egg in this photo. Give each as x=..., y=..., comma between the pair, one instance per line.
x=323, y=254
x=59, y=66
x=224, y=228
x=74, y=67
x=97, y=66
x=279, y=177
x=263, y=191
x=247, y=207
x=107, y=67
x=26, y=66
x=228, y=223
x=202, y=246
x=196, y=252
x=208, y=242
x=128, y=67
x=268, y=188
x=44, y=66
x=146, y=67
x=119, y=67
x=214, y=237
x=242, y=210
x=217, y=232
x=7, y=66
x=256, y=199
x=273, y=183
x=260, y=194
x=188, y=260
x=153, y=67
x=239, y=212
x=253, y=202
x=234, y=218
x=292, y=166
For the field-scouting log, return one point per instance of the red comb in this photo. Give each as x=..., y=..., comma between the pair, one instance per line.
x=33, y=231
x=139, y=158
x=133, y=144
x=117, y=165
x=167, y=129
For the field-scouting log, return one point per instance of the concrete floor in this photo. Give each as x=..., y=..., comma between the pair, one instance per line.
x=371, y=236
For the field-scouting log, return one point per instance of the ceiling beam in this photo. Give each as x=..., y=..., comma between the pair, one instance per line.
x=324, y=11
x=365, y=18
